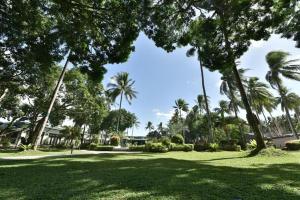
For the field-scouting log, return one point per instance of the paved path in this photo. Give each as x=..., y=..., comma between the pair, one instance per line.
x=82, y=152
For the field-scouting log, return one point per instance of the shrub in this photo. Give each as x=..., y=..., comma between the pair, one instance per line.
x=137, y=148
x=181, y=147
x=23, y=147
x=293, y=145
x=93, y=146
x=85, y=145
x=251, y=145
x=271, y=152
x=213, y=147
x=61, y=146
x=177, y=139
x=232, y=147
x=201, y=146
x=115, y=140
x=104, y=148
x=166, y=141
x=5, y=142
x=156, y=147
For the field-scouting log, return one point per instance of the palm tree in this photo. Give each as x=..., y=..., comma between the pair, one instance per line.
x=149, y=126
x=135, y=124
x=181, y=106
x=221, y=110
x=122, y=86
x=280, y=66
x=160, y=128
x=191, y=52
x=228, y=87
x=200, y=103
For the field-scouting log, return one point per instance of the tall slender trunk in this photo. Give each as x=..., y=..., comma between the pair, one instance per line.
x=119, y=114
x=252, y=120
x=3, y=94
x=211, y=137
x=278, y=129
x=53, y=98
x=287, y=111
x=266, y=121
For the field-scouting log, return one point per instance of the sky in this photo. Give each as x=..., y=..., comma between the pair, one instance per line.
x=161, y=77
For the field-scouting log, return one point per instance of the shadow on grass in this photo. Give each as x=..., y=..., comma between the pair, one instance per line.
x=95, y=177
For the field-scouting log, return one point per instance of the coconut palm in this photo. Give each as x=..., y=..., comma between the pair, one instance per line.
x=121, y=86
x=149, y=126
x=281, y=67
x=135, y=124
x=181, y=106
x=222, y=110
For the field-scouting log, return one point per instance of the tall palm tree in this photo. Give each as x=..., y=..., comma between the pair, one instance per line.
x=181, y=106
x=191, y=52
x=149, y=126
x=228, y=87
x=160, y=127
x=280, y=66
x=122, y=86
x=200, y=103
x=135, y=124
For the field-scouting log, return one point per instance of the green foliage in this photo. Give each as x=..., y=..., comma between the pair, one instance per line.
x=155, y=147
x=115, y=140
x=177, y=139
x=181, y=147
x=137, y=148
x=104, y=148
x=93, y=146
x=61, y=146
x=5, y=142
x=84, y=145
x=201, y=146
x=166, y=141
x=213, y=147
x=271, y=152
x=233, y=147
x=23, y=147
x=251, y=145
x=293, y=145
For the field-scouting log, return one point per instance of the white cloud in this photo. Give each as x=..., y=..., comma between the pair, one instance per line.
x=166, y=115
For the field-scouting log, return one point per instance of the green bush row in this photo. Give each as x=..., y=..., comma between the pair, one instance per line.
x=293, y=145
x=137, y=148
x=96, y=147
x=181, y=147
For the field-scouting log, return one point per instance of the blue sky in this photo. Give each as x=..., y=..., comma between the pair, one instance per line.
x=163, y=77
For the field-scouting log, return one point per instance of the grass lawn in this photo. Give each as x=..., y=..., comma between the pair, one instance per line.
x=173, y=175
x=42, y=152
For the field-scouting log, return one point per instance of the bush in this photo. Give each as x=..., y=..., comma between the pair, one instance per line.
x=85, y=145
x=115, y=140
x=61, y=146
x=271, y=152
x=293, y=145
x=181, y=147
x=177, y=139
x=166, y=141
x=232, y=147
x=213, y=147
x=200, y=146
x=104, y=148
x=251, y=145
x=93, y=146
x=137, y=148
x=156, y=147
x=5, y=142
x=23, y=147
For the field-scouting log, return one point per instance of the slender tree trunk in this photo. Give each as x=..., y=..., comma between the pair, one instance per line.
x=273, y=119
x=252, y=120
x=53, y=98
x=3, y=94
x=211, y=136
x=266, y=121
x=287, y=111
x=119, y=115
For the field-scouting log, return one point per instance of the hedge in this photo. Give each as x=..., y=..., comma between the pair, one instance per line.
x=137, y=148
x=156, y=147
x=293, y=145
x=181, y=147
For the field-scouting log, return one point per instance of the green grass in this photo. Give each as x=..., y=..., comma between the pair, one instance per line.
x=42, y=152
x=174, y=175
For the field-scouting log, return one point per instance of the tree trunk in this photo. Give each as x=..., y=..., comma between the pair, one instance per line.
x=252, y=120
x=274, y=120
x=266, y=121
x=211, y=137
x=53, y=98
x=119, y=115
x=4, y=94
x=287, y=111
